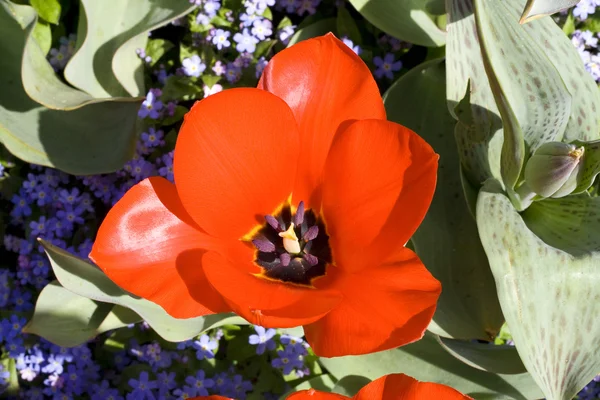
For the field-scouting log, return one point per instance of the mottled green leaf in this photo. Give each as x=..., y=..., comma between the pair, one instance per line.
x=105, y=64
x=97, y=138
x=479, y=137
x=408, y=20
x=468, y=307
x=570, y=223
x=67, y=319
x=550, y=298
x=49, y=10
x=538, y=8
x=533, y=101
x=500, y=359
x=591, y=164
x=318, y=28
x=349, y=385
x=87, y=280
x=426, y=360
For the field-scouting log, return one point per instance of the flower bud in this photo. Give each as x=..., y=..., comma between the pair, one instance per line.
x=554, y=169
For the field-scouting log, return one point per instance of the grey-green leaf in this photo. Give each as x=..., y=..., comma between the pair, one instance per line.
x=550, y=298
x=538, y=8
x=67, y=319
x=87, y=280
x=468, y=307
x=500, y=359
x=349, y=385
x=408, y=20
x=97, y=138
x=105, y=64
x=427, y=361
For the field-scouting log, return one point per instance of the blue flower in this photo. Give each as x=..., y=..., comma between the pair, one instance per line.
x=205, y=347
x=185, y=392
x=262, y=29
x=245, y=41
x=233, y=73
x=287, y=361
x=211, y=7
x=193, y=66
x=386, y=66
x=355, y=48
x=151, y=106
x=221, y=39
x=103, y=391
x=142, y=387
x=200, y=383
x=153, y=138
x=166, y=382
x=167, y=169
x=21, y=299
x=263, y=338
x=54, y=365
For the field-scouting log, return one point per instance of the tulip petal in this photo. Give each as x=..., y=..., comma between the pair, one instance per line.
x=313, y=394
x=149, y=246
x=378, y=183
x=235, y=160
x=265, y=302
x=384, y=306
x=325, y=83
x=403, y=387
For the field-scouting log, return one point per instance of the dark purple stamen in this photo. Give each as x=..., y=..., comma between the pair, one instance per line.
x=263, y=244
x=285, y=259
x=271, y=220
x=301, y=267
x=299, y=216
x=311, y=233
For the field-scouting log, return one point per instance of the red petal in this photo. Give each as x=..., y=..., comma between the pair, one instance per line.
x=325, y=84
x=235, y=160
x=403, y=387
x=149, y=246
x=265, y=302
x=313, y=394
x=378, y=183
x=384, y=306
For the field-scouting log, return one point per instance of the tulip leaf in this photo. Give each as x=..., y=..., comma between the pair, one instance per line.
x=538, y=8
x=43, y=36
x=323, y=383
x=591, y=164
x=408, y=20
x=105, y=64
x=427, y=361
x=533, y=101
x=570, y=223
x=550, y=298
x=87, y=280
x=97, y=138
x=478, y=131
x=313, y=30
x=500, y=359
x=350, y=385
x=468, y=307
x=67, y=319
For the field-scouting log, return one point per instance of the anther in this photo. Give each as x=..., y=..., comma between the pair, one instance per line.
x=311, y=233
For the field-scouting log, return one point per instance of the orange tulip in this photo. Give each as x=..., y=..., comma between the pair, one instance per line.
x=291, y=206
x=389, y=387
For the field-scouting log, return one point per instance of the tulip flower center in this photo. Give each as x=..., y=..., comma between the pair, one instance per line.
x=292, y=246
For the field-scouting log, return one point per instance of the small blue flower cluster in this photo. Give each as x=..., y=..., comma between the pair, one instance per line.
x=586, y=43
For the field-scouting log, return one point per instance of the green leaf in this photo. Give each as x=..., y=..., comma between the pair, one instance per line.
x=177, y=116
x=323, y=383
x=427, y=361
x=500, y=359
x=87, y=280
x=180, y=88
x=97, y=138
x=570, y=223
x=538, y=8
x=156, y=48
x=550, y=298
x=479, y=139
x=533, y=101
x=67, y=319
x=407, y=20
x=468, y=306
x=350, y=385
x=49, y=10
x=105, y=64
x=9, y=364
x=313, y=30
x=43, y=36
x=346, y=26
